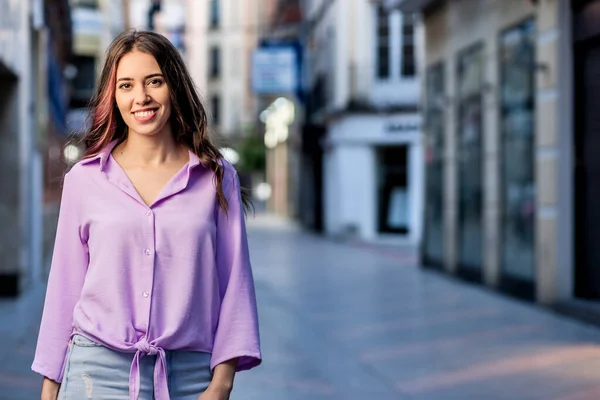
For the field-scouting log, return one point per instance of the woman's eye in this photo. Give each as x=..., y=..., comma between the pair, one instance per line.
x=155, y=82
x=124, y=86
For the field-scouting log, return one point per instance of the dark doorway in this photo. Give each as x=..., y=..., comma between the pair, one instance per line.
x=586, y=34
x=392, y=190
x=311, y=177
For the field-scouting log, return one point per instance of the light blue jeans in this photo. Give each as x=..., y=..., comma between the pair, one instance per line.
x=93, y=371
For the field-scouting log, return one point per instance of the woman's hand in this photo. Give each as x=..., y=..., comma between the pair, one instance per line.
x=214, y=392
x=221, y=383
x=50, y=389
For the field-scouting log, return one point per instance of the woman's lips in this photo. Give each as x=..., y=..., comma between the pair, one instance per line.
x=144, y=116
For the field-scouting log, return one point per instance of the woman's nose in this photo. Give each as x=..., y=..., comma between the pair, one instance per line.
x=142, y=97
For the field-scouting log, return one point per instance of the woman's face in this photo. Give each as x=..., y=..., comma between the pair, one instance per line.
x=142, y=94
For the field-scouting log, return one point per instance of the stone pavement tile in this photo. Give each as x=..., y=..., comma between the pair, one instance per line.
x=299, y=361
x=19, y=319
x=516, y=383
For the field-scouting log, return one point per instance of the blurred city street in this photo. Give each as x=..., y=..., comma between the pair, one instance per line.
x=341, y=320
x=375, y=137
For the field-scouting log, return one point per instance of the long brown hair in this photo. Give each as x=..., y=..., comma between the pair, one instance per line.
x=188, y=120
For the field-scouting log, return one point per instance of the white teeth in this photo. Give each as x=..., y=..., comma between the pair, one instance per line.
x=144, y=114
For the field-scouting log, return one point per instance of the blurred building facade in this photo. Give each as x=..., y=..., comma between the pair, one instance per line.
x=277, y=84
x=362, y=120
x=167, y=17
x=221, y=36
x=34, y=48
x=510, y=156
x=95, y=24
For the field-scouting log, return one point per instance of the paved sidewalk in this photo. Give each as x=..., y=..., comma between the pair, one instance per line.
x=19, y=321
x=347, y=321
x=344, y=322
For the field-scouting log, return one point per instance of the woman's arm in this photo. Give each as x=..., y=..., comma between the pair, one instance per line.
x=222, y=380
x=67, y=273
x=50, y=389
x=237, y=335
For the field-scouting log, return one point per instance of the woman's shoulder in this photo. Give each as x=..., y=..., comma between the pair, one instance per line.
x=230, y=175
x=81, y=171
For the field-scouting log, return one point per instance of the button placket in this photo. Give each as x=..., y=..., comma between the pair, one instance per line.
x=149, y=261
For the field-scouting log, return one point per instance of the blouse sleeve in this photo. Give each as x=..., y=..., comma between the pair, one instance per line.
x=237, y=334
x=67, y=273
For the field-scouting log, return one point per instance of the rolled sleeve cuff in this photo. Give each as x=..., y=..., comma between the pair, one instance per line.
x=47, y=371
x=246, y=360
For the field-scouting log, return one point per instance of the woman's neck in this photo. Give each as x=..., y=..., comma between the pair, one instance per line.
x=150, y=150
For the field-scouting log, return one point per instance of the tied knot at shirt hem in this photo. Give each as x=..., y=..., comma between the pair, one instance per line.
x=161, y=386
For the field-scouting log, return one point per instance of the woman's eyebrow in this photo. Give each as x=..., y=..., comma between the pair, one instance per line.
x=146, y=77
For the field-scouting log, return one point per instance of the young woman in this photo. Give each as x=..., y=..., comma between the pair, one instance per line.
x=150, y=294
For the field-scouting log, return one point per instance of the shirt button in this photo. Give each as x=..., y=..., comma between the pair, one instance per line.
x=146, y=294
x=148, y=252
x=149, y=213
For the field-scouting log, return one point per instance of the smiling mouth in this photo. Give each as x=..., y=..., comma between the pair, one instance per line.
x=145, y=115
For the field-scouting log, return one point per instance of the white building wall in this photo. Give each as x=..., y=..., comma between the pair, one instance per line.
x=332, y=190
x=197, y=49
x=345, y=39
x=341, y=49
x=113, y=17
x=351, y=173
x=357, y=208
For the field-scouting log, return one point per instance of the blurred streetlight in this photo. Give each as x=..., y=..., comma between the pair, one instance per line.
x=71, y=153
x=230, y=155
x=277, y=117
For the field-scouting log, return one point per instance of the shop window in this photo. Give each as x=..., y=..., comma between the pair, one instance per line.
x=216, y=109
x=383, y=43
x=215, y=14
x=470, y=166
x=433, y=243
x=517, y=114
x=215, y=62
x=84, y=81
x=408, y=64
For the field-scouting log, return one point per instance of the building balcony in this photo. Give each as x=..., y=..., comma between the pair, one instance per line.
x=369, y=92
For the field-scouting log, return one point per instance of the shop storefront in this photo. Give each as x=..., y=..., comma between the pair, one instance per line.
x=374, y=178
x=499, y=144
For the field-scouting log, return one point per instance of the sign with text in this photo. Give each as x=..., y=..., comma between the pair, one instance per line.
x=404, y=126
x=274, y=70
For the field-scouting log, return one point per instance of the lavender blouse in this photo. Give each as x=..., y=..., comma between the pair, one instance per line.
x=145, y=279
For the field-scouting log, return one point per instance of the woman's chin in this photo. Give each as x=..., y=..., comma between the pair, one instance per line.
x=148, y=131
